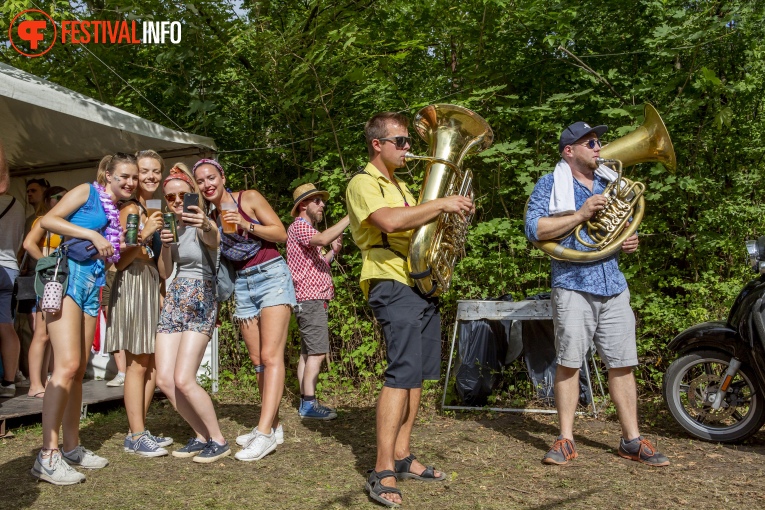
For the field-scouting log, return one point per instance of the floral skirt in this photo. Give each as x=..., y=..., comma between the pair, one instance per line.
x=189, y=306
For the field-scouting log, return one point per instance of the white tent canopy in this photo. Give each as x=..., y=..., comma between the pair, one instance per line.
x=48, y=128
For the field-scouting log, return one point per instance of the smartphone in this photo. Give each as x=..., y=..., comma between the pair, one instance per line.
x=190, y=199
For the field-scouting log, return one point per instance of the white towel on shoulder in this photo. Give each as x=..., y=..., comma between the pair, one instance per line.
x=562, y=200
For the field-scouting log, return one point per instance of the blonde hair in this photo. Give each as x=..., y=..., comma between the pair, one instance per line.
x=151, y=155
x=180, y=167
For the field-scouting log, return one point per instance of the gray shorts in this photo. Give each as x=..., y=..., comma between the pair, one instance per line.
x=581, y=318
x=7, y=279
x=314, y=326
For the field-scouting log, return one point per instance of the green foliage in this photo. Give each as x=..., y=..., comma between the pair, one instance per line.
x=285, y=87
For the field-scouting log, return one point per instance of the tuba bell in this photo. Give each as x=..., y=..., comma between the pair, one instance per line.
x=451, y=132
x=625, y=209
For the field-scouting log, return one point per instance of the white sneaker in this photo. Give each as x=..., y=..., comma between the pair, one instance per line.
x=119, y=380
x=21, y=381
x=84, y=458
x=55, y=471
x=245, y=438
x=8, y=391
x=258, y=447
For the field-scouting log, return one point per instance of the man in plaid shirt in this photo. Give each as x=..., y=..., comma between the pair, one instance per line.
x=313, y=288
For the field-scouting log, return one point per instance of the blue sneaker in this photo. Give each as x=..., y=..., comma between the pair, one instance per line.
x=192, y=448
x=145, y=446
x=212, y=452
x=315, y=411
x=161, y=440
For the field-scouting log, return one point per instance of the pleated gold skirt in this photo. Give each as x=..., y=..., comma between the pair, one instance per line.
x=134, y=309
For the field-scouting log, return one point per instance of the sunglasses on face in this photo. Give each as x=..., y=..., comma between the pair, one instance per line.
x=591, y=143
x=57, y=197
x=400, y=141
x=170, y=197
x=317, y=200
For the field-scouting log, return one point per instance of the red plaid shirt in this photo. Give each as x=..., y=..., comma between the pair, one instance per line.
x=310, y=271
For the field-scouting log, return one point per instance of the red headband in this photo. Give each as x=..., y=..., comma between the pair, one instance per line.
x=176, y=173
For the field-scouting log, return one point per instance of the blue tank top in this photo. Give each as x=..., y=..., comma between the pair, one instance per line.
x=91, y=214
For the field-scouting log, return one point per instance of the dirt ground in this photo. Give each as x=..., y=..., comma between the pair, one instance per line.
x=492, y=461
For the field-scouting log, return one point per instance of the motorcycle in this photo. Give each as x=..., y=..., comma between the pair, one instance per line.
x=715, y=389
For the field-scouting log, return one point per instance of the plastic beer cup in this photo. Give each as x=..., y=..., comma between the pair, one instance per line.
x=228, y=228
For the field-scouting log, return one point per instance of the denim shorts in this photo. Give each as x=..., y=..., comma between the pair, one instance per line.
x=411, y=325
x=581, y=318
x=261, y=286
x=85, y=282
x=7, y=278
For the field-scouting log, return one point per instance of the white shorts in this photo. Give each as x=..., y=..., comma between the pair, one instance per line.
x=581, y=318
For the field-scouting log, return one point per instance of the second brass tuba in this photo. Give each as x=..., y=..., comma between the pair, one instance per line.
x=451, y=132
x=608, y=228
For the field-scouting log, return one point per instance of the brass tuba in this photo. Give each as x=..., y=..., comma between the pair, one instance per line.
x=451, y=132
x=608, y=227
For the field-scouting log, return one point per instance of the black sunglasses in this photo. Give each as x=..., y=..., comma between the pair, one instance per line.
x=591, y=143
x=400, y=141
x=170, y=197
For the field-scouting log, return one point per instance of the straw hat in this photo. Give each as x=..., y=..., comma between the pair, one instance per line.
x=304, y=192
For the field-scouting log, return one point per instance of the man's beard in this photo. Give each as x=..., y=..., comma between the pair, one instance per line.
x=315, y=217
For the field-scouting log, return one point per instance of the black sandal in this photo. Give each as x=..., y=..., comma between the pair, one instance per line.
x=376, y=489
x=403, y=471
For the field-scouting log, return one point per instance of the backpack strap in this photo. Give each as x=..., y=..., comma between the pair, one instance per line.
x=13, y=201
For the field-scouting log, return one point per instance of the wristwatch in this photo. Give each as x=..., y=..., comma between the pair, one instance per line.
x=252, y=227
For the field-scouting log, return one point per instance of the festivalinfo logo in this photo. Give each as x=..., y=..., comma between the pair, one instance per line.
x=33, y=33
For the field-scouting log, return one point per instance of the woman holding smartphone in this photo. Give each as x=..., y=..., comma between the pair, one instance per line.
x=187, y=320
x=39, y=244
x=87, y=212
x=134, y=309
x=264, y=295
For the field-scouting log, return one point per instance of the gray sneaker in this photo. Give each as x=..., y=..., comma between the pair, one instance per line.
x=212, y=452
x=146, y=447
x=8, y=391
x=56, y=471
x=641, y=450
x=84, y=458
x=245, y=438
x=562, y=451
x=192, y=448
x=162, y=441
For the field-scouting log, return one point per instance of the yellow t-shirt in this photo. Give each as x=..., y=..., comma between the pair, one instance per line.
x=55, y=239
x=365, y=195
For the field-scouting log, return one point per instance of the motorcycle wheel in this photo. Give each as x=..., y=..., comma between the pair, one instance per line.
x=692, y=380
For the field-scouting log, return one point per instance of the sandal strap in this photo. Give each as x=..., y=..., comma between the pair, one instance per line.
x=379, y=475
x=404, y=465
x=378, y=487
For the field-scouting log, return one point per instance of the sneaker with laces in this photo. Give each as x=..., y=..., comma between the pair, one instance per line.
x=21, y=381
x=84, y=458
x=192, y=448
x=562, y=451
x=258, y=447
x=212, y=452
x=145, y=446
x=314, y=410
x=162, y=441
x=54, y=470
x=8, y=391
x=119, y=380
x=641, y=450
x=245, y=438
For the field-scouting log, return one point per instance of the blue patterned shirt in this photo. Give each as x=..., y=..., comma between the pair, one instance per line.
x=601, y=278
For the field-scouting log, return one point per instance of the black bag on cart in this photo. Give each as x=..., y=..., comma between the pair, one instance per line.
x=482, y=352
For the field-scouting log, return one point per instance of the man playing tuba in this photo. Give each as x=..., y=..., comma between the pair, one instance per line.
x=383, y=214
x=590, y=301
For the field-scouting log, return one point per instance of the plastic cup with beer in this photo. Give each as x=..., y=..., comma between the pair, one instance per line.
x=153, y=205
x=228, y=228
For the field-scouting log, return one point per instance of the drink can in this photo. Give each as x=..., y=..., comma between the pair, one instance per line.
x=169, y=219
x=131, y=230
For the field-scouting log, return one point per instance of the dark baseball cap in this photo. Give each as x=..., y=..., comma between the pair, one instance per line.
x=577, y=130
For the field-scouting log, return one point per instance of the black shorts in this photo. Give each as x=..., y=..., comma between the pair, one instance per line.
x=411, y=326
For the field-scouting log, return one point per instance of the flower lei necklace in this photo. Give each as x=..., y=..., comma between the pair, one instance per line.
x=113, y=228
